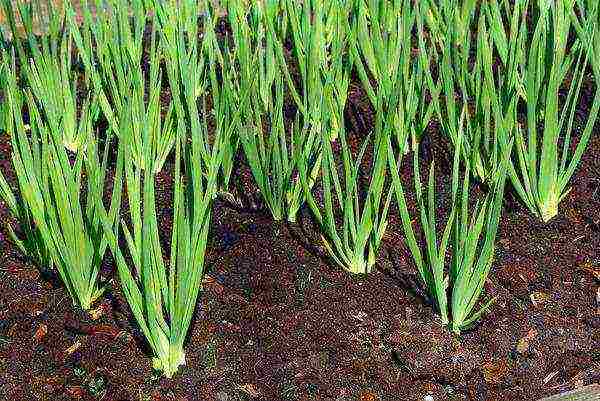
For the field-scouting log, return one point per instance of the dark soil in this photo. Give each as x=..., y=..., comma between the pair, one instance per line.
x=277, y=321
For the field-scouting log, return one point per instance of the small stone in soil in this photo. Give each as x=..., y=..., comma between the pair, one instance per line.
x=524, y=343
x=41, y=332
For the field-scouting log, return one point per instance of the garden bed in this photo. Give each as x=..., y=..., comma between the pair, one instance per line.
x=277, y=320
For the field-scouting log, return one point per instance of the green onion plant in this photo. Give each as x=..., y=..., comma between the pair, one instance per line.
x=258, y=85
x=587, y=13
x=161, y=286
x=226, y=112
x=162, y=296
x=61, y=220
x=456, y=288
x=353, y=214
x=383, y=54
x=545, y=155
x=355, y=204
x=321, y=39
x=3, y=102
x=477, y=75
x=438, y=15
x=196, y=73
x=47, y=64
x=112, y=46
x=28, y=238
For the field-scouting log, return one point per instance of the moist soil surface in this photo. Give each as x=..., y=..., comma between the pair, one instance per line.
x=276, y=320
